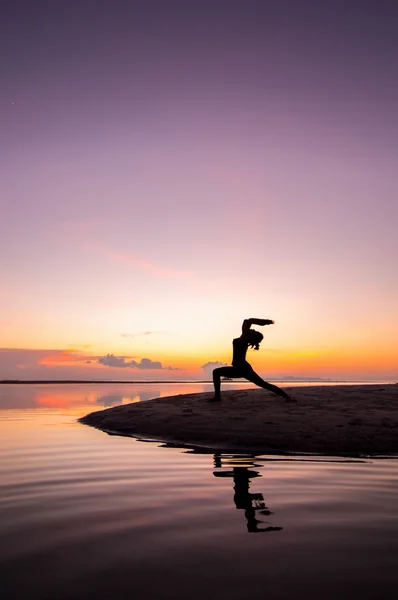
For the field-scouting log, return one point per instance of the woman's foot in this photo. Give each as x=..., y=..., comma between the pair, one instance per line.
x=214, y=399
x=290, y=398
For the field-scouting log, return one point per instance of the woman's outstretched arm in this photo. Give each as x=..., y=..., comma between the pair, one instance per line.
x=247, y=323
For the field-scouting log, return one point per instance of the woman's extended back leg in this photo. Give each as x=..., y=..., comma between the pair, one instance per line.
x=254, y=378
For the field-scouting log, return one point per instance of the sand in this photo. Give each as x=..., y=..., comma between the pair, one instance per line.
x=347, y=420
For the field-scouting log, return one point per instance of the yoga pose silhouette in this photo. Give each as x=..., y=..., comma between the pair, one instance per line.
x=240, y=366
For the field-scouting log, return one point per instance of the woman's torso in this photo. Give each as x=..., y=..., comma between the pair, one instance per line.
x=239, y=352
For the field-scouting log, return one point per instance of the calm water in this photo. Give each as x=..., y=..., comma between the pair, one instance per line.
x=87, y=515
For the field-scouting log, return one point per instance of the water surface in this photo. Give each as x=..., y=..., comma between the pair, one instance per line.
x=87, y=515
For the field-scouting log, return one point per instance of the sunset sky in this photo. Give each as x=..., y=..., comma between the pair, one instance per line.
x=171, y=168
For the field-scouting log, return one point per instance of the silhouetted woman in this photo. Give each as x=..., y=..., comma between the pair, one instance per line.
x=240, y=366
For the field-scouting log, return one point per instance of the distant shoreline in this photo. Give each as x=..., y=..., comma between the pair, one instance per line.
x=89, y=381
x=193, y=381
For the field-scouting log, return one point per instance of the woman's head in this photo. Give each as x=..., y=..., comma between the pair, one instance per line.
x=255, y=338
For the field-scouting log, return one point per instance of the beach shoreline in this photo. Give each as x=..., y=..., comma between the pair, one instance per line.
x=352, y=420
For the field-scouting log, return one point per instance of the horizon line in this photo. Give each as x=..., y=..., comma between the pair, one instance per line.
x=128, y=381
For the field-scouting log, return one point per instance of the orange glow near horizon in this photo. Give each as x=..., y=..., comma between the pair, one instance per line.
x=320, y=362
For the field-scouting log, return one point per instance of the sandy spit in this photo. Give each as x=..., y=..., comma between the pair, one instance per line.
x=347, y=420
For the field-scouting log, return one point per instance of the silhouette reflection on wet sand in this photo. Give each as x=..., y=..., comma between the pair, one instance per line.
x=244, y=500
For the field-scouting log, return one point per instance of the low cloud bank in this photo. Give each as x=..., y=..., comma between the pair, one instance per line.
x=210, y=366
x=110, y=360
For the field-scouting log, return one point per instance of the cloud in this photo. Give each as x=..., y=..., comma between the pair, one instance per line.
x=26, y=363
x=146, y=363
x=113, y=361
x=133, y=335
x=24, y=358
x=213, y=365
x=46, y=364
x=210, y=366
x=110, y=360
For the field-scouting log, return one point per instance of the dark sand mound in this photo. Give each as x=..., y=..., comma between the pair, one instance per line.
x=335, y=420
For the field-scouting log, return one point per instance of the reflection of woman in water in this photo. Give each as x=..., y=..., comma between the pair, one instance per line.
x=244, y=499
x=240, y=366
x=250, y=502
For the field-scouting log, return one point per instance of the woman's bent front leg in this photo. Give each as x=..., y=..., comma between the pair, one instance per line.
x=217, y=374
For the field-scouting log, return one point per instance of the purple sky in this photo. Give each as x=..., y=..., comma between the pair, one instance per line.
x=179, y=165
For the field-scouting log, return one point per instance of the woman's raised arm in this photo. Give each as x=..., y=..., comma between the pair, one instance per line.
x=247, y=323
